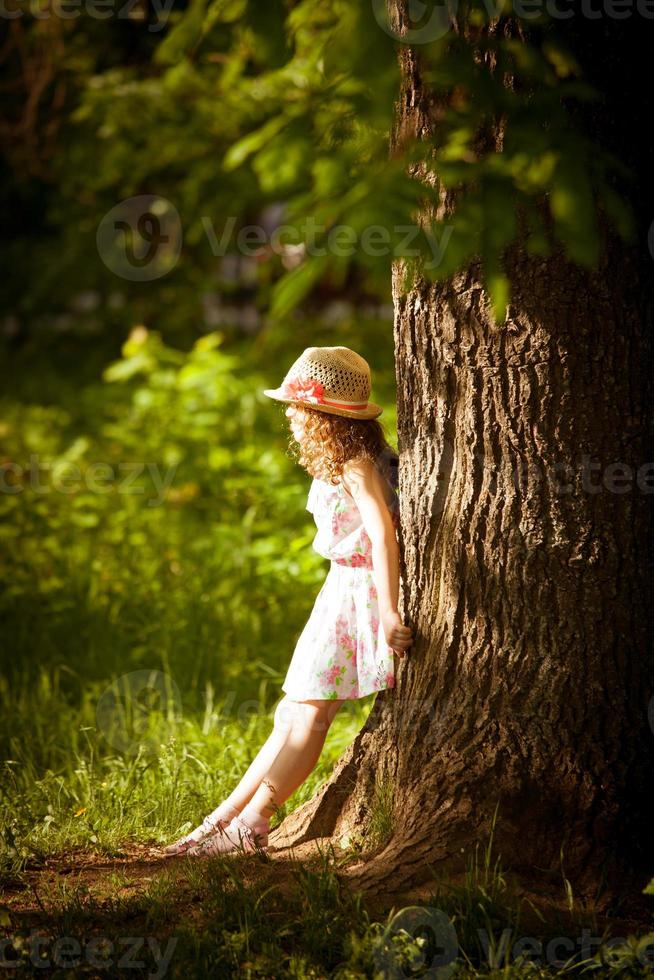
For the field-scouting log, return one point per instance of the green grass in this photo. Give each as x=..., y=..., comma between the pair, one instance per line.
x=143, y=653
x=64, y=784
x=252, y=917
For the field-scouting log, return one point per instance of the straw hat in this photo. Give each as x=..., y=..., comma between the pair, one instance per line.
x=335, y=380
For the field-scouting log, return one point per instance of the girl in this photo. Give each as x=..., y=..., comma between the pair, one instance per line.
x=346, y=649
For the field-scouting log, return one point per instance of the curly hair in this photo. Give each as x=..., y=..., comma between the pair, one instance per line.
x=331, y=440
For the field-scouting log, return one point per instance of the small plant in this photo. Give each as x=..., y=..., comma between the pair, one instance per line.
x=380, y=826
x=479, y=908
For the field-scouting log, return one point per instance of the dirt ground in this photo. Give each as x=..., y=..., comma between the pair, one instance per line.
x=133, y=868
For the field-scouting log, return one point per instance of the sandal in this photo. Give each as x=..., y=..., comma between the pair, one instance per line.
x=237, y=836
x=206, y=829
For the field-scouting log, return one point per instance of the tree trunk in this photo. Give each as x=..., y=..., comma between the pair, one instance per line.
x=526, y=573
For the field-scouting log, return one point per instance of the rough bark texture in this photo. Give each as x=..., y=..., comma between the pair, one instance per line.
x=526, y=573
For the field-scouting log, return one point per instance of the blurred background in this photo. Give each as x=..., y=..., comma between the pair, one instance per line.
x=155, y=553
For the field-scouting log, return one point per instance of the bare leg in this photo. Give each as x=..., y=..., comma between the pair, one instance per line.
x=241, y=795
x=247, y=787
x=302, y=727
x=251, y=780
x=306, y=724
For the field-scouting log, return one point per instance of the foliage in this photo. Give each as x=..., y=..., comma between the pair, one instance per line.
x=233, y=106
x=154, y=532
x=168, y=524
x=166, y=520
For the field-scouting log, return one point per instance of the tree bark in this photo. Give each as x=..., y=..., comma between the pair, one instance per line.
x=526, y=572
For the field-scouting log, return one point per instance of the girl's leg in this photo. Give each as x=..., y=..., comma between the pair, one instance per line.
x=309, y=723
x=245, y=790
x=303, y=726
x=251, y=780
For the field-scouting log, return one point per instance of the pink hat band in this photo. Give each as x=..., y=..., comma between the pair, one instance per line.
x=310, y=390
x=330, y=379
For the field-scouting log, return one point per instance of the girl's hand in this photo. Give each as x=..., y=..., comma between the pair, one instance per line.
x=398, y=636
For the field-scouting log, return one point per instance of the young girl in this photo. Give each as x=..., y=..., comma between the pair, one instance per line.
x=346, y=649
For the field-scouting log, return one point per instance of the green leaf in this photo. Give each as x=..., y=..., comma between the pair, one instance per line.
x=281, y=164
x=536, y=241
x=497, y=285
x=295, y=285
x=256, y=140
x=573, y=209
x=225, y=11
x=124, y=370
x=183, y=36
x=619, y=211
x=561, y=59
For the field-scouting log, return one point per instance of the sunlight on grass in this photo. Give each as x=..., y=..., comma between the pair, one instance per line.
x=148, y=646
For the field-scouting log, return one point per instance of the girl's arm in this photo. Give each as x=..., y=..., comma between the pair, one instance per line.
x=366, y=484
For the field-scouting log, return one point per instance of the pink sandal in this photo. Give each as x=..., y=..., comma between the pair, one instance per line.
x=237, y=836
x=206, y=829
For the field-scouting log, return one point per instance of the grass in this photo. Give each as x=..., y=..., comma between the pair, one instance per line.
x=71, y=803
x=64, y=784
x=253, y=918
x=144, y=654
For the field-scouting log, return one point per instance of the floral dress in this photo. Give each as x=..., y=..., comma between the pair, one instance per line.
x=342, y=651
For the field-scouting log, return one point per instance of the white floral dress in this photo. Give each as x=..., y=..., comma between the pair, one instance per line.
x=342, y=651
